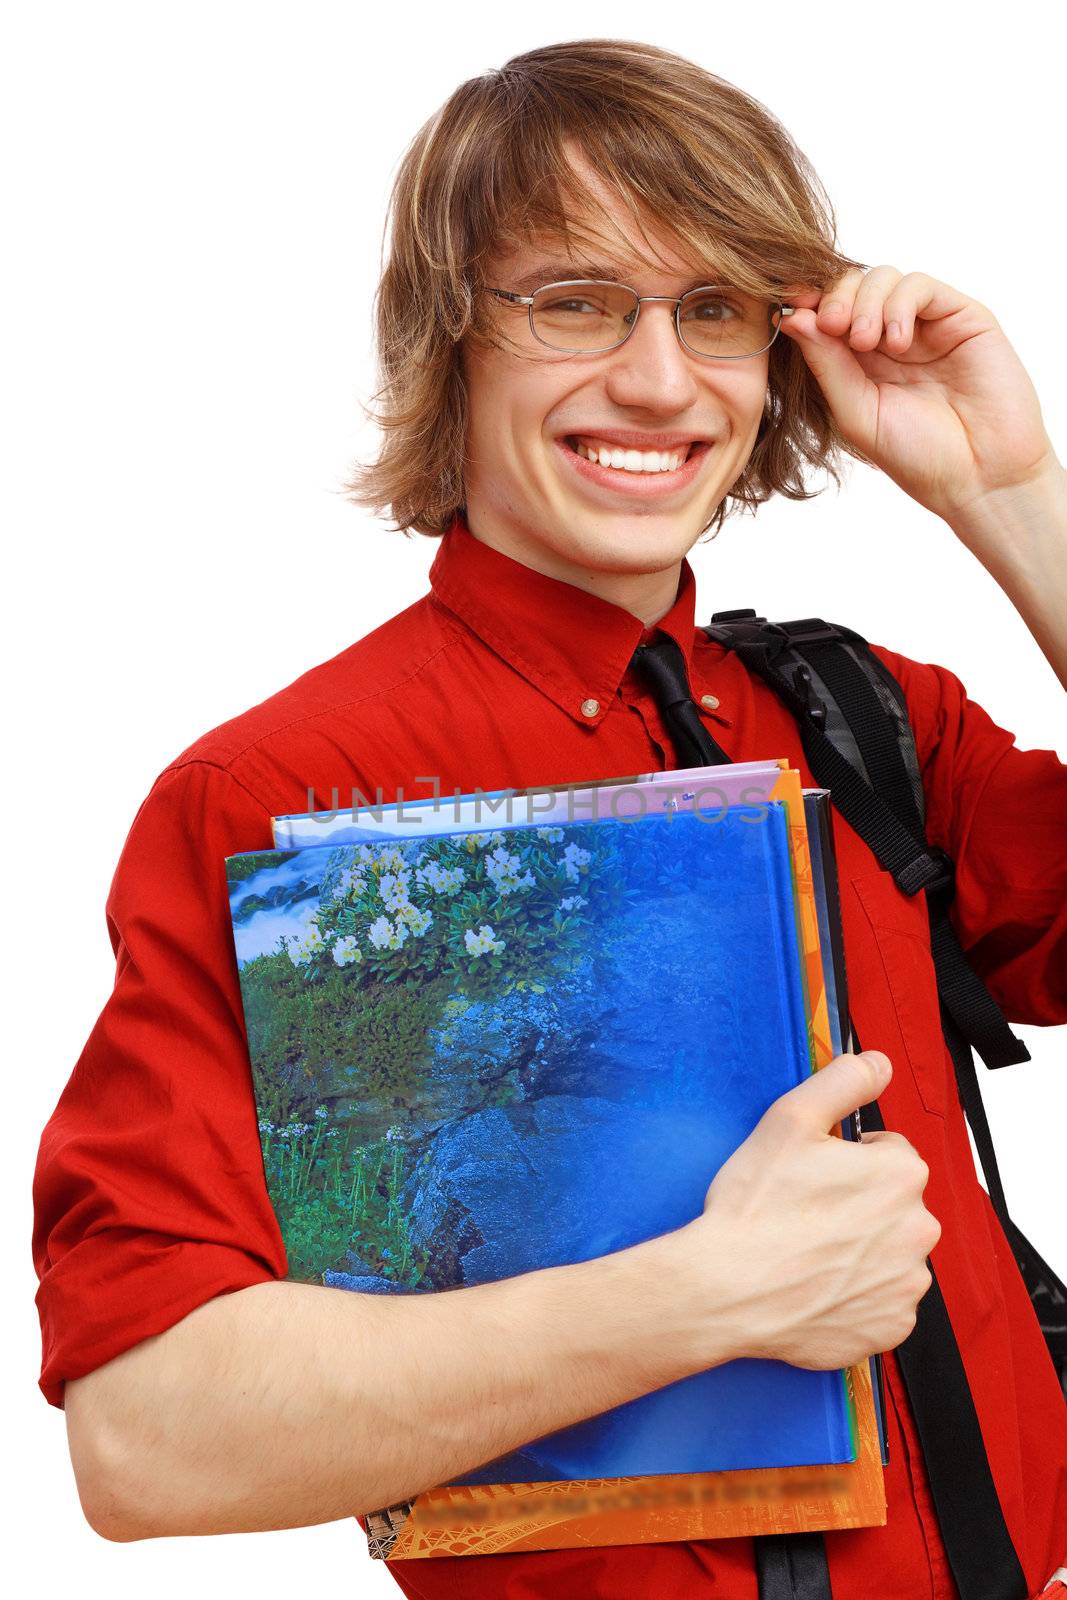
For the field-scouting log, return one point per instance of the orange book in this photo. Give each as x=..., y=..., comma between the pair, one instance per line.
x=490, y=1519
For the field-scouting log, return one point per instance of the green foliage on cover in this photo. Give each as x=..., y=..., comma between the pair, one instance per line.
x=240, y=867
x=352, y=1025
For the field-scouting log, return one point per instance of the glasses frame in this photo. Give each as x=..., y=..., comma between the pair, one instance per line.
x=677, y=301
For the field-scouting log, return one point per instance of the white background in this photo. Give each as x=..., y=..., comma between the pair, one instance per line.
x=194, y=199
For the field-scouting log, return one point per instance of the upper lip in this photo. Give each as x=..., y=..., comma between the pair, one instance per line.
x=631, y=440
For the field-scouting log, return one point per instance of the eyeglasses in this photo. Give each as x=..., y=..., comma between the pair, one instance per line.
x=589, y=316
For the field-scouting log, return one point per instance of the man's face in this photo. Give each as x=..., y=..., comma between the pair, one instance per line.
x=530, y=493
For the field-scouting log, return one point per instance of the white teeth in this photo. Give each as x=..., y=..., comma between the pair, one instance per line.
x=632, y=460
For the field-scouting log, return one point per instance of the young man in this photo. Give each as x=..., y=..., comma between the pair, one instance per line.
x=206, y=1394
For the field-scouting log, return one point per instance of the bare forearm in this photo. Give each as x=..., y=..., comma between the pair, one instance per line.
x=1020, y=536
x=287, y=1404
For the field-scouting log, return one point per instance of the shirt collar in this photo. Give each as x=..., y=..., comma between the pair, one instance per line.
x=574, y=646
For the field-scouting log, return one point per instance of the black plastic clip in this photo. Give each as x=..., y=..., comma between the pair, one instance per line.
x=813, y=706
x=932, y=870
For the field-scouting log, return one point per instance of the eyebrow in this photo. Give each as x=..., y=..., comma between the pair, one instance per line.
x=562, y=271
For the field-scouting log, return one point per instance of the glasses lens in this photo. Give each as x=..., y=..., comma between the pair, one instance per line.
x=583, y=316
x=723, y=322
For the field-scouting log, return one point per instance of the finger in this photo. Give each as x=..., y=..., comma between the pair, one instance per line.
x=917, y=295
x=828, y=1096
x=865, y=330
x=838, y=296
x=852, y=396
x=835, y=305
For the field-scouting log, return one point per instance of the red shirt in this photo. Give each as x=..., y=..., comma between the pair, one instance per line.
x=149, y=1190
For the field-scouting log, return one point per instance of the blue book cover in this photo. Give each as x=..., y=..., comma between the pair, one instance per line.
x=658, y=791
x=480, y=1054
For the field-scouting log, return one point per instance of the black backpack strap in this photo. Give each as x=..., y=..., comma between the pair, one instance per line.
x=771, y=650
x=792, y=1566
x=962, y=993
x=979, y=1547
x=871, y=710
x=821, y=685
x=821, y=671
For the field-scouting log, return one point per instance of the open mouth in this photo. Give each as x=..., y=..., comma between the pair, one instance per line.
x=616, y=458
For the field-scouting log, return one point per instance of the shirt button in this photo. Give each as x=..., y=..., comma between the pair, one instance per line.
x=590, y=708
x=709, y=700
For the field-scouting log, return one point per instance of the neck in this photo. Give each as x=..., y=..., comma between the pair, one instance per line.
x=647, y=595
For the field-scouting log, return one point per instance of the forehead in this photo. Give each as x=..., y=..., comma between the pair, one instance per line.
x=604, y=238
x=526, y=276
x=547, y=259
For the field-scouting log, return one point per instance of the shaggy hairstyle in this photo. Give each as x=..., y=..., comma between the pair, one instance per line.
x=703, y=162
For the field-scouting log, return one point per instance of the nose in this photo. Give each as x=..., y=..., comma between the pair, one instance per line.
x=652, y=370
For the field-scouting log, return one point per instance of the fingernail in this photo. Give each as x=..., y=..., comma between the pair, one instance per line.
x=894, y=330
x=861, y=325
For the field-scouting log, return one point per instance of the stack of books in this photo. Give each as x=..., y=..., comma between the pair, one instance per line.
x=491, y=1034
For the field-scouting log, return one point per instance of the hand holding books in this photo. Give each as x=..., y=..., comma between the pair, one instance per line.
x=818, y=1248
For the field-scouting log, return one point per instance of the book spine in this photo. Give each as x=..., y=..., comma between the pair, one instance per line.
x=784, y=926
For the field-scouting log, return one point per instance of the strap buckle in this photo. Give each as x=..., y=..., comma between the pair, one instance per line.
x=810, y=630
x=945, y=878
x=934, y=871
x=813, y=706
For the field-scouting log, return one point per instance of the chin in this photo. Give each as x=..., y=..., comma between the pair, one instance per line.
x=629, y=544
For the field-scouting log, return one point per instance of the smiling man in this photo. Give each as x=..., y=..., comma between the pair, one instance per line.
x=613, y=313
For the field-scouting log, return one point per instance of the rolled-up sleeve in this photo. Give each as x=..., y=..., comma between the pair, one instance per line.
x=1001, y=813
x=149, y=1193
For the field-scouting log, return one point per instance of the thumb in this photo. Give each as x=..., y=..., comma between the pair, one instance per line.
x=836, y=1090
x=853, y=398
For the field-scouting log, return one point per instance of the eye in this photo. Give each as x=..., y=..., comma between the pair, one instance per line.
x=711, y=308
x=574, y=305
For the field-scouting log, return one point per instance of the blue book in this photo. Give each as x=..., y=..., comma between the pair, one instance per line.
x=479, y=1054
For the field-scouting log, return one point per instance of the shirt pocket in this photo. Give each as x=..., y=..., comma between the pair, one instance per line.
x=892, y=954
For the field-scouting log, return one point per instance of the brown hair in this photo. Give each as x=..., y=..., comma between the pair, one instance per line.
x=705, y=162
